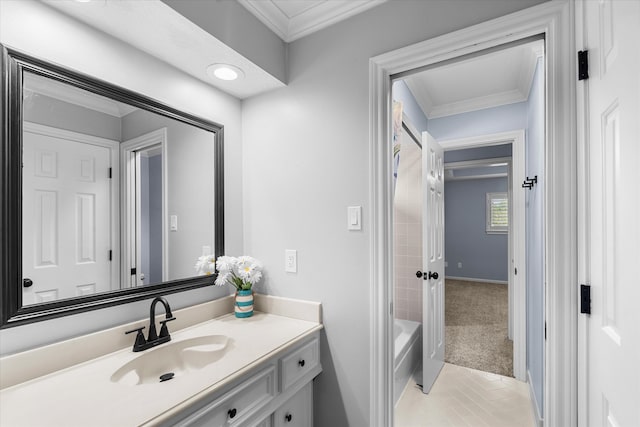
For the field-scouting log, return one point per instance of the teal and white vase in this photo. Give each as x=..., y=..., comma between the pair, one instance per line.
x=244, y=303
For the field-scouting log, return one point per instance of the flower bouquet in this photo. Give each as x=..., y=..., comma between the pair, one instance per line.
x=242, y=273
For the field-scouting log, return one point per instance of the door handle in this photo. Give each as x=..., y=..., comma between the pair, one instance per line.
x=433, y=275
x=27, y=282
x=418, y=274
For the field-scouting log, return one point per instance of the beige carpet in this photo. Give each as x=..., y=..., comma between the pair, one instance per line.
x=476, y=316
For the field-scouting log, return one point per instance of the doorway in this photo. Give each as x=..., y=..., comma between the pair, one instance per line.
x=553, y=21
x=144, y=212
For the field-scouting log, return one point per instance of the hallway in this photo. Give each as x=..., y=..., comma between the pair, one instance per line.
x=466, y=397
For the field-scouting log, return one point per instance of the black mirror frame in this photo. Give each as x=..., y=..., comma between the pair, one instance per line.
x=12, y=65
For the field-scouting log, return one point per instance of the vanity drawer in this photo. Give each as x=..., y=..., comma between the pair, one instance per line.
x=297, y=411
x=237, y=405
x=298, y=363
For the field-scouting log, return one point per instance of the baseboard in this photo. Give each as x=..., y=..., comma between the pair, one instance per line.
x=534, y=403
x=471, y=279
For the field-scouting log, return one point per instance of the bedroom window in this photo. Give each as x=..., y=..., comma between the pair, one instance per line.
x=497, y=213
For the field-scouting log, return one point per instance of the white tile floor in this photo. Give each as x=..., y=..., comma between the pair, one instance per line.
x=466, y=397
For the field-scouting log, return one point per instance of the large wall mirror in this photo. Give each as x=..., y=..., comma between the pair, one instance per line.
x=107, y=196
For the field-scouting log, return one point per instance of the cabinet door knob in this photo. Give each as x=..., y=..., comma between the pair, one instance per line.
x=301, y=363
x=232, y=412
x=288, y=417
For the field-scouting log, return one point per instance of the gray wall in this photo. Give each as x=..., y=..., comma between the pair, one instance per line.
x=151, y=212
x=42, y=31
x=535, y=236
x=306, y=158
x=483, y=256
x=52, y=112
x=491, y=152
x=490, y=120
x=155, y=219
x=145, y=221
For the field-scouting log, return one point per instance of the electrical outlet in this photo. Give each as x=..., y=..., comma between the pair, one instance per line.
x=291, y=261
x=459, y=265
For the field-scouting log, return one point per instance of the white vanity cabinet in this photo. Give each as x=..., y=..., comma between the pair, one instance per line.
x=278, y=392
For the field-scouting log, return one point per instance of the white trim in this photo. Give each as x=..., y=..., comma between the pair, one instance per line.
x=127, y=149
x=474, y=104
x=112, y=145
x=535, y=408
x=554, y=20
x=473, y=279
x=583, y=215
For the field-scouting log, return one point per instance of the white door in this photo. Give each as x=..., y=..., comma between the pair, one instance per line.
x=612, y=31
x=66, y=218
x=433, y=258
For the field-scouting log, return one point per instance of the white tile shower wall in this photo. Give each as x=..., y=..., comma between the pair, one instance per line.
x=408, y=232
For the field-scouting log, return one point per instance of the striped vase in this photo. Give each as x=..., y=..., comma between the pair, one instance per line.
x=244, y=303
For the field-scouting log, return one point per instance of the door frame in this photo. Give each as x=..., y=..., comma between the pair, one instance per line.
x=555, y=21
x=114, y=201
x=127, y=153
x=517, y=250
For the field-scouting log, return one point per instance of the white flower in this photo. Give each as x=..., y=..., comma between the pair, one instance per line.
x=223, y=277
x=249, y=269
x=226, y=263
x=241, y=273
x=206, y=265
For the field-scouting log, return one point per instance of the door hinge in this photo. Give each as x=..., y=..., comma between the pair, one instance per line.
x=583, y=65
x=585, y=299
x=110, y=255
x=133, y=271
x=110, y=173
x=545, y=331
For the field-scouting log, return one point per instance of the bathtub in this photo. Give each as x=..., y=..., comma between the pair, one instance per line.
x=408, y=353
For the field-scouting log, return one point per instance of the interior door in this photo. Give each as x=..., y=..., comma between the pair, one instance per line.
x=66, y=218
x=433, y=258
x=612, y=30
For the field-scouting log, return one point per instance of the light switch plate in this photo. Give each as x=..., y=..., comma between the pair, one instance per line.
x=354, y=218
x=291, y=261
x=173, y=223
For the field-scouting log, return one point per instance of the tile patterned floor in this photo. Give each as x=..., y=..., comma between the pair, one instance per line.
x=466, y=397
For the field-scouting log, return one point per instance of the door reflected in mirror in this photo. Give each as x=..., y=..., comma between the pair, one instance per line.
x=113, y=196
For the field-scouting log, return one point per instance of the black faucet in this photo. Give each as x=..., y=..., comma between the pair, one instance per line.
x=153, y=339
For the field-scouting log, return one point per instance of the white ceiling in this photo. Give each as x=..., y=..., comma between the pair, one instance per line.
x=160, y=31
x=494, y=79
x=293, y=19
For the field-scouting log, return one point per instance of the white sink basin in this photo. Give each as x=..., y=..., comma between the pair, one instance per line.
x=176, y=357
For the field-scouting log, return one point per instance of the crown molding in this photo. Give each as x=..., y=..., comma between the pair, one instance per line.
x=312, y=19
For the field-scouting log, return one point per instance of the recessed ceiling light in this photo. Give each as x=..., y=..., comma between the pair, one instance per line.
x=224, y=72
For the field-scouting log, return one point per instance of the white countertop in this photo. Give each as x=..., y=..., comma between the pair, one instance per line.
x=83, y=395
